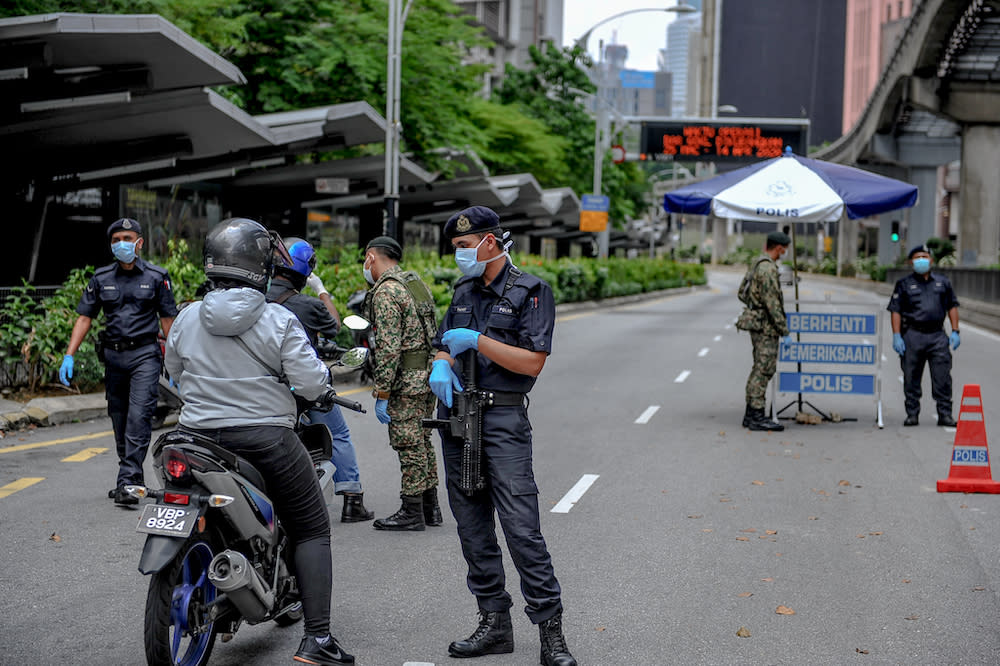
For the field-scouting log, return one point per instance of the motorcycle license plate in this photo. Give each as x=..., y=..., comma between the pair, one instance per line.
x=167, y=520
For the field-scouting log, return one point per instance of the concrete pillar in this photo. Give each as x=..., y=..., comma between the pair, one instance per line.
x=720, y=239
x=923, y=216
x=979, y=225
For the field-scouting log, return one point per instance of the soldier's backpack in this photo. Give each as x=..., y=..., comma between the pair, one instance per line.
x=743, y=293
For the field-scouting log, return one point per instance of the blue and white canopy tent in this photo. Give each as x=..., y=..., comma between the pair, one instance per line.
x=790, y=189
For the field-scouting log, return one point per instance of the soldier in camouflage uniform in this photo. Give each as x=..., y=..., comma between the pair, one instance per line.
x=401, y=309
x=764, y=318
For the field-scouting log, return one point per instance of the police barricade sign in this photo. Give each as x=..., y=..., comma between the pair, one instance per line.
x=861, y=358
x=594, y=212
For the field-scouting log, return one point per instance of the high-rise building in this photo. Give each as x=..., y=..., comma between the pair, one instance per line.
x=680, y=58
x=872, y=30
x=780, y=59
x=514, y=26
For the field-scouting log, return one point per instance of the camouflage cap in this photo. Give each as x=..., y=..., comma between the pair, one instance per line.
x=474, y=220
x=919, y=248
x=392, y=247
x=779, y=238
x=124, y=224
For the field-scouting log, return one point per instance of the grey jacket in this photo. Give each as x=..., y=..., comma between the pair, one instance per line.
x=221, y=384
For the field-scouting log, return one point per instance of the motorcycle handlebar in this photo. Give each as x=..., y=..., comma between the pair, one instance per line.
x=330, y=398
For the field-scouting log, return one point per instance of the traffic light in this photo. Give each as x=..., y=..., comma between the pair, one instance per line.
x=894, y=234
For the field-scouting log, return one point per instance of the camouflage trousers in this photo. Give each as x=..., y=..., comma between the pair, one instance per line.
x=412, y=443
x=765, y=363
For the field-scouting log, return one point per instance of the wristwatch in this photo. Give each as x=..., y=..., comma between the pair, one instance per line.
x=380, y=395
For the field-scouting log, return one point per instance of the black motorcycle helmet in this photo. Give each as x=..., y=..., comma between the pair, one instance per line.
x=242, y=251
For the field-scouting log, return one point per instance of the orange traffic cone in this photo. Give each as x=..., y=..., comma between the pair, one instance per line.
x=970, y=459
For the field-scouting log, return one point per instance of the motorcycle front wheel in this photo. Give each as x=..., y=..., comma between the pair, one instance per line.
x=176, y=630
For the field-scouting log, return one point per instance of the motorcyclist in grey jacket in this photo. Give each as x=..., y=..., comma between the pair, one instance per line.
x=237, y=359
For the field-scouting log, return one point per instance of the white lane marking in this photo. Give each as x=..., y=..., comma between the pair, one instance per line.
x=418, y=663
x=980, y=331
x=728, y=326
x=949, y=429
x=717, y=338
x=703, y=352
x=681, y=377
x=648, y=414
x=575, y=493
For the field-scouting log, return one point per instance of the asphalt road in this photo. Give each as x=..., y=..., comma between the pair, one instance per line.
x=694, y=528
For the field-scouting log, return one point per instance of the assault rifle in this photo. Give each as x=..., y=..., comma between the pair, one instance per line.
x=466, y=423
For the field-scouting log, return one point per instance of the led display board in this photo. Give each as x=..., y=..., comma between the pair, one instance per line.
x=716, y=140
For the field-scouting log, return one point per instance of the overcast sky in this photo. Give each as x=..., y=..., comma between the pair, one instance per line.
x=644, y=33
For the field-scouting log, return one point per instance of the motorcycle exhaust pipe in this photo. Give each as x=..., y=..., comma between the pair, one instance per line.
x=232, y=573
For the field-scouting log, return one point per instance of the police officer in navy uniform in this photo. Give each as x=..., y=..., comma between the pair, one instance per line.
x=919, y=304
x=136, y=299
x=508, y=317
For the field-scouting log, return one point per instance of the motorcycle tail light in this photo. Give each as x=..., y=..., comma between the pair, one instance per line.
x=177, y=465
x=176, y=498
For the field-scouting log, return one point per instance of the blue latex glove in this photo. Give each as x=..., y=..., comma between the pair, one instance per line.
x=786, y=342
x=443, y=380
x=381, y=411
x=897, y=344
x=459, y=340
x=66, y=370
x=954, y=339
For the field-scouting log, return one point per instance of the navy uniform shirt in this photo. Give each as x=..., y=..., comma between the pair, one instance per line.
x=132, y=300
x=310, y=311
x=523, y=317
x=923, y=302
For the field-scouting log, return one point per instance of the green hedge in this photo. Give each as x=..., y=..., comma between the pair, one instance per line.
x=37, y=333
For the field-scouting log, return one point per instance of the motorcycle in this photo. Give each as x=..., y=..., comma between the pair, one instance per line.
x=217, y=554
x=361, y=331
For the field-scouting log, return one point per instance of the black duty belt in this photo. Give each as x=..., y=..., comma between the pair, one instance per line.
x=926, y=326
x=503, y=398
x=124, y=344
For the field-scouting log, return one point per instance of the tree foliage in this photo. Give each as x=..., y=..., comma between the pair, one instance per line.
x=550, y=90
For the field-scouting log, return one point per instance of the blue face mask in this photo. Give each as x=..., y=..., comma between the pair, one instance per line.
x=922, y=265
x=468, y=262
x=124, y=251
x=367, y=272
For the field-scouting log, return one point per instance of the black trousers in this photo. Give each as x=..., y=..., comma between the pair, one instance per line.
x=131, y=386
x=291, y=482
x=930, y=349
x=512, y=496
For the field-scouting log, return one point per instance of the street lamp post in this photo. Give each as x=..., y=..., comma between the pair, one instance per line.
x=601, y=116
x=393, y=125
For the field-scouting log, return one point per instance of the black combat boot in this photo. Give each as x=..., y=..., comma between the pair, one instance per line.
x=354, y=509
x=946, y=420
x=494, y=635
x=747, y=416
x=432, y=510
x=760, y=422
x=554, y=651
x=410, y=516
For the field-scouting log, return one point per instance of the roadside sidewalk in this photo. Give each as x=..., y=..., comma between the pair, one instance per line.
x=75, y=408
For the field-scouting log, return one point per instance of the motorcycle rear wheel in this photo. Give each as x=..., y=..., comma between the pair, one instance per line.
x=175, y=602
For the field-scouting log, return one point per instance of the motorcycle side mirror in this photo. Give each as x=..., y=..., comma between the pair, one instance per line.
x=354, y=358
x=355, y=323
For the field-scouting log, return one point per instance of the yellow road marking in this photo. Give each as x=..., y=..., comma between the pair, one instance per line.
x=39, y=445
x=86, y=454
x=20, y=484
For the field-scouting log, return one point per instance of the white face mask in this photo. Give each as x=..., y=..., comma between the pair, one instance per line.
x=367, y=271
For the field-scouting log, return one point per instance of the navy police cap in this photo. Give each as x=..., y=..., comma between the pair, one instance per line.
x=474, y=220
x=919, y=248
x=124, y=224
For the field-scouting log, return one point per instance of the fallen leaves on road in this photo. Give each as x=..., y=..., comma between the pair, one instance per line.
x=599, y=628
x=813, y=517
x=55, y=537
x=722, y=433
x=771, y=531
x=743, y=632
x=695, y=515
x=767, y=580
x=758, y=483
x=906, y=580
x=844, y=483
x=978, y=589
x=912, y=617
x=749, y=530
x=744, y=595
x=860, y=651
x=742, y=538
x=784, y=610
x=874, y=534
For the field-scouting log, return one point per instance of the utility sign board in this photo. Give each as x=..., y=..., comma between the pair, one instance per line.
x=818, y=382
x=594, y=212
x=827, y=322
x=817, y=352
x=720, y=140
